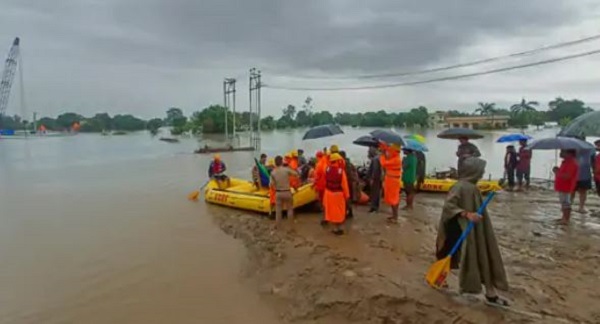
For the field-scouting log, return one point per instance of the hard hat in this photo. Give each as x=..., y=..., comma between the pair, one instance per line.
x=395, y=147
x=217, y=156
x=295, y=153
x=334, y=157
x=271, y=162
x=334, y=149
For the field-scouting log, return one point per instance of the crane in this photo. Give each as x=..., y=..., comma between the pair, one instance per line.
x=10, y=67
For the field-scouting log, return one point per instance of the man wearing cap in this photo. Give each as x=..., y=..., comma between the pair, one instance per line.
x=216, y=170
x=280, y=183
x=336, y=193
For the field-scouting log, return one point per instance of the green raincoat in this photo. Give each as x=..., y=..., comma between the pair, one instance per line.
x=479, y=258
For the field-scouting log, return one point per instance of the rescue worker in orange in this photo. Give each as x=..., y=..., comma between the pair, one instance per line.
x=391, y=163
x=336, y=193
x=293, y=164
x=216, y=170
x=319, y=176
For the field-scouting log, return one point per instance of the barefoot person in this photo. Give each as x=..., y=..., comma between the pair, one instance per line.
x=280, y=181
x=409, y=176
x=565, y=182
x=585, y=159
x=479, y=258
x=336, y=193
x=391, y=163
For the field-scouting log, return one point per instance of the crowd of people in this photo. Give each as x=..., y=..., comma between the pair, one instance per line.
x=338, y=185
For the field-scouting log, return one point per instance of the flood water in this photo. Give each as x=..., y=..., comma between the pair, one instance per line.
x=97, y=229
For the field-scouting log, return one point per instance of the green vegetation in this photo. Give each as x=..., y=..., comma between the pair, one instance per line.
x=211, y=119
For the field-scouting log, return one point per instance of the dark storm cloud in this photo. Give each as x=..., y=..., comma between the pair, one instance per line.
x=331, y=35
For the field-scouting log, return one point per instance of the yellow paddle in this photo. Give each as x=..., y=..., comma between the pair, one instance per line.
x=193, y=196
x=438, y=272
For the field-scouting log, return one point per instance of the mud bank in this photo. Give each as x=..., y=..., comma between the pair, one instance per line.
x=374, y=274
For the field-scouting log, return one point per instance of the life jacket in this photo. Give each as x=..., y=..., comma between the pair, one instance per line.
x=392, y=171
x=333, y=178
x=216, y=167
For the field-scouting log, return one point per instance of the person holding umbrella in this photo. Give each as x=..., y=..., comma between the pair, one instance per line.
x=391, y=163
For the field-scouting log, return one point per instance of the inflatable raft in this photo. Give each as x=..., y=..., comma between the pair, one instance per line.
x=242, y=194
x=444, y=185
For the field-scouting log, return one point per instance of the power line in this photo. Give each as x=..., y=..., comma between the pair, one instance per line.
x=448, y=78
x=455, y=66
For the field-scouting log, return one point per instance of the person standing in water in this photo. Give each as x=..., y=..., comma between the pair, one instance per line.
x=585, y=159
x=336, y=193
x=565, y=183
x=524, y=166
x=465, y=149
x=391, y=162
x=280, y=181
x=479, y=259
x=375, y=174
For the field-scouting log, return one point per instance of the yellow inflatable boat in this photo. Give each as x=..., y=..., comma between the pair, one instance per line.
x=444, y=185
x=242, y=194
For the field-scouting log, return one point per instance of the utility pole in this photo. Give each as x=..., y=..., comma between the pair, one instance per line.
x=229, y=98
x=255, y=105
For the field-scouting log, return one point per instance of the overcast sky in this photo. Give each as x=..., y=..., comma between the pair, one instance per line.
x=142, y=56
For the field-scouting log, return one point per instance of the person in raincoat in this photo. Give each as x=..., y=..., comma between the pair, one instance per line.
x=479, y=260
x=391, y=163
x=465, y=149
x=336, y=193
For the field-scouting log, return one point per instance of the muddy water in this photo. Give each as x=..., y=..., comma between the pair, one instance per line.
x=97, y=230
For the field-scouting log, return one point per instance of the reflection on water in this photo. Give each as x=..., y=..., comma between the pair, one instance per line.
x=96, y=229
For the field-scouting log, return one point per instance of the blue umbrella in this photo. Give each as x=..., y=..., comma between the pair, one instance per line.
x=560, y=143
x=411, y=144
x=513, y=138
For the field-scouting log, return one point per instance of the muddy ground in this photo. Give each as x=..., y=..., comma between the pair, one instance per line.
x=374, y=274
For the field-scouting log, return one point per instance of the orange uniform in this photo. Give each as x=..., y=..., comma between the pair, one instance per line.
x=294, y=180
x=336, y=193
x=393, y=172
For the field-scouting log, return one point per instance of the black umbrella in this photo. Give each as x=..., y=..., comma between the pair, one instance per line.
x=456, y=133
x=560, y=143
x=322, y=131
x=387, y=136
x=366, y=140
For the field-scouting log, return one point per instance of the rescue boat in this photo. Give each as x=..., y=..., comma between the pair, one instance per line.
x=444, y=185
x=242, y=194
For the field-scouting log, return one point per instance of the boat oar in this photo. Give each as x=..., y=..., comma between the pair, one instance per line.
x=196, y=193
x=438, y=272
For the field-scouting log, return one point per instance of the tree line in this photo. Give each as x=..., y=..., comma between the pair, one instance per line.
x=212, y=118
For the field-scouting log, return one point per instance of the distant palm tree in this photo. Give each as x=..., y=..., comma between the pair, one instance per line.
x=524, y=106
x=487, y=109
x=524, y=109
